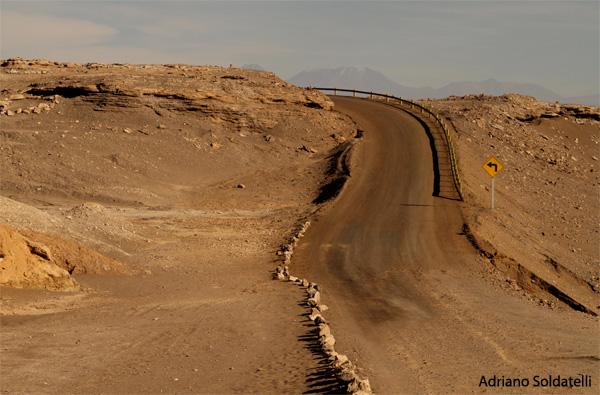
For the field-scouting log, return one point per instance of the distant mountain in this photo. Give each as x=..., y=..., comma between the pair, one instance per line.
x=253, y=66
x=356, y=78
x=366, y=79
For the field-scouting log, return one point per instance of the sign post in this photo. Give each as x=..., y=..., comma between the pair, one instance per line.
x=493, y=193
x=493, y=167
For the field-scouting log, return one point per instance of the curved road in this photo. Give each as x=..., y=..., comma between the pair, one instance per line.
x=409, y=298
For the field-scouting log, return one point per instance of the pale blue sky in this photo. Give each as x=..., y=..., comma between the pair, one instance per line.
x=418, y=43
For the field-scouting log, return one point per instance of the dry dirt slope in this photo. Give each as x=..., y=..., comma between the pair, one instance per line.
x=190, y=176
x=546, y=221
x=35, y=260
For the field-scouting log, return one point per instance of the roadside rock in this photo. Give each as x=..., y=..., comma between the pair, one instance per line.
x=27, y=264
x=344, y=370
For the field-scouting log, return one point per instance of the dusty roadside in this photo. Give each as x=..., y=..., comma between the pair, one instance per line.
x=180, y=183
x=412, y=303
x=543, y=237
x=190, y=177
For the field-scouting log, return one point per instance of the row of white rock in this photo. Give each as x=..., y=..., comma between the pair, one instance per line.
x=37, y=109
x=341, y=364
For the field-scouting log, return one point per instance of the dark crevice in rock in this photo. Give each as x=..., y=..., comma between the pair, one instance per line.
x=312, y=104
x=64, y=91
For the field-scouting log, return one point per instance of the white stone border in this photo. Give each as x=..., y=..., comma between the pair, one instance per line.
x=340, y=363
x=37, y=109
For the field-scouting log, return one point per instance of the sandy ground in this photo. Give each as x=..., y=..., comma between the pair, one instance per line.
x=546, y=220
x=189, y=176
x=192, y=176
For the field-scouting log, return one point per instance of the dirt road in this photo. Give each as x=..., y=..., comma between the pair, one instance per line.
x=410, y=302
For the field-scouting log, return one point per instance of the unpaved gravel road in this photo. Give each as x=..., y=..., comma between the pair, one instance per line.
x=410, y=299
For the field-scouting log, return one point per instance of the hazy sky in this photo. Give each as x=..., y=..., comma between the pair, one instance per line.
x=418, y=43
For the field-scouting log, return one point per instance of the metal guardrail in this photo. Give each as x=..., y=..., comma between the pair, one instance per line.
x=411, y=105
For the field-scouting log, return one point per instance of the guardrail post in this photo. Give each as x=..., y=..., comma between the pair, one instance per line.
x=371, y=95
x=334, y=92
x=353, y=93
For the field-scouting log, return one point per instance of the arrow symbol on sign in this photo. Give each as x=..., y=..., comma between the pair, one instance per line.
x=493, y=165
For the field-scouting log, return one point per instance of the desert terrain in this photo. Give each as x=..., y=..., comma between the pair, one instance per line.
x=547, y=195
x=144, y=210
x=189, y=178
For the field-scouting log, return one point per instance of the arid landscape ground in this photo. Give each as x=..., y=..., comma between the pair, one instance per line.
x=547, y=195
x=143, y=207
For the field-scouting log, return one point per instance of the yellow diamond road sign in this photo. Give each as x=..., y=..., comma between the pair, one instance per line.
x=492, y=166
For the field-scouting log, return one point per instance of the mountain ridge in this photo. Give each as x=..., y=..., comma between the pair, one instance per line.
x=367, y=79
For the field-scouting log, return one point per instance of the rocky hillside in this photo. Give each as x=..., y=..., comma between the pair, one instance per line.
x=547, y=195
x=83, y=144
x=105, y=131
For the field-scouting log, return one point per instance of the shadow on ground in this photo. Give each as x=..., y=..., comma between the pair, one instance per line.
x=322, y=379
